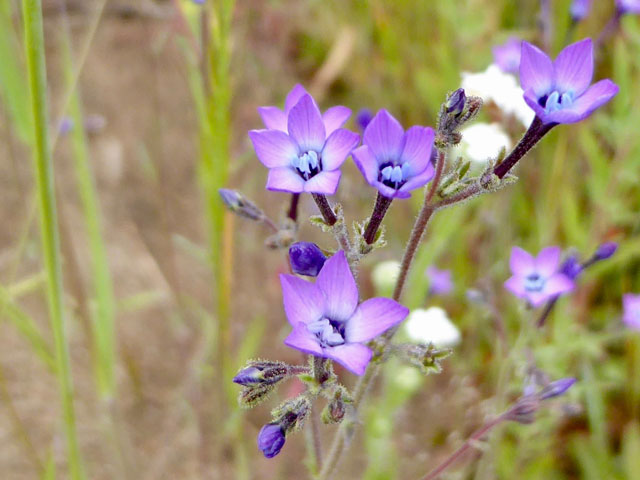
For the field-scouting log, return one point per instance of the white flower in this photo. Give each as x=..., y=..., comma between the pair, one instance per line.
x=494, y=85
x=482, y=142
x=432, y=326
x=384, y=276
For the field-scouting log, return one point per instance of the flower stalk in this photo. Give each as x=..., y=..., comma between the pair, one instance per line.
x=379, y=211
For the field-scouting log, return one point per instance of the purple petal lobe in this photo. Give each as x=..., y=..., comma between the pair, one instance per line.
x=305, y=125
x=521, y=261
x=303, y=301
x=596, y=95
x=273, y=118
x=338, y=147
x=373, y=317
x=273, y=147
x=557, y=388
x=515, y=285
x=548, y=261
x=574, y=67
x=366, y=163
x=536, y=70
x=558, y=284
x=302, y=339
x=532, y=100
x=418, y=142
x=293, y=97
x=336, y=281
x=418, y=181
x=284, y=179
x=323, y=182
x=335, y=117
x=384, y=136
x=353, y=356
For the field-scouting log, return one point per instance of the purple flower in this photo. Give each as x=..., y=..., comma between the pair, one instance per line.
x=631, y=307
x=580, y=9
x=327, y=320
x=306, y=258
x=392, y=160
x=537, y=279
x=507, y=55
x=302, y=148
x=271, y=439
x=363, y=118
x=628, y=6
x=440, y=281
x=559, y=91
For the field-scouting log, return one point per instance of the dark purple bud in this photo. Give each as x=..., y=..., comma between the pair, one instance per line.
x=306, y=258
x=238, y=204
x=261, y=373
x=557, y=388
x=455, y=102
x=571, y=267
x=363, y=118
x=604, y=251
x=271, y=439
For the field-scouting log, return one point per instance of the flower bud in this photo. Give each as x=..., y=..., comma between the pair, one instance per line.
x=261, y=373
x=605, y=251
x=271, y=439
x=306, y=258
x=571, y=267
x=363, y=118
x=335, y=410
x=252, y=395
x=241, y=206
x=557, y=388
x=455, y=102
x=580, y=9
x=524, y=411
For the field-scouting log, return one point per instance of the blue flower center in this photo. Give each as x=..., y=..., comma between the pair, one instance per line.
x=534, y=282
x=556, y=101
x=392, y=175
x=307, y=164
x=328, y=332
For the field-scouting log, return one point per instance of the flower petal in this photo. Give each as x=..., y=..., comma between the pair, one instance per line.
x=273, y=147
x=538, y=298
x=521, y=262
x=366, y=163
x=390, y=192
x=373, y=317
x=338, y=147
x=384, y=136
x=305, y=125
x=284, y=179
x=353, y=356
x=336, y=281
x=596, y=95
x=293, y=97
x=324, y=182
x=515, y=285
x=532, y=100
x=302, y=339
x=335, y=117
x=273, y=118
x=536, y=70
x=303, y=301
x=419, y=180
x=558, y=284
x=418, y=142
x=574, y=68
x=548, y=261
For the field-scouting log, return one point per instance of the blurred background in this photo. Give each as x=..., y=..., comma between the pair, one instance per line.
x=165, y=295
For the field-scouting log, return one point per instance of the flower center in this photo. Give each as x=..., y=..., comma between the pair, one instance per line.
x=392, y=175
x=534, y=283
x=556, y=101
x=328, y=332
x=307, y=164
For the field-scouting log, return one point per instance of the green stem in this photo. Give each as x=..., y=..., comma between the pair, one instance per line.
x=34, y=44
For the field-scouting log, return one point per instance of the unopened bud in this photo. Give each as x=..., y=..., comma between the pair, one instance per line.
x=261, y=373
x=455, y=102
x=571, y=267
x=271, y=439
x=335, y=410
x=306, y=258
x=292, y=413
x=557, y=388
x=605, y=251
x=240, y=205
x=252, y=395
x=524, y=411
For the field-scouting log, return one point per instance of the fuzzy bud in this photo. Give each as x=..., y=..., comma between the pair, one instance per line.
x=252, y=395
x=335, y=410
x=241, y=206
x=271, y=439
x=524, y=411
x=426, y=357
x=292, y=413
x=261, y=373
x=306, y=258
x=455, y=102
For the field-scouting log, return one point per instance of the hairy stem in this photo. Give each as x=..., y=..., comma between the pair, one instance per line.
x=339, y=229
x=325, y=209
x=379, y=211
